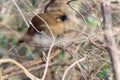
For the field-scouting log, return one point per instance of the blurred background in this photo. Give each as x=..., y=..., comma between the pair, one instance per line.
x=89, y=43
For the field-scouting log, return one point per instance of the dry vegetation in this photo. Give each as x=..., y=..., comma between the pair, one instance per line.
x=83, y=58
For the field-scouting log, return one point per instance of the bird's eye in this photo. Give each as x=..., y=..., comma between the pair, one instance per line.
x=63, y=17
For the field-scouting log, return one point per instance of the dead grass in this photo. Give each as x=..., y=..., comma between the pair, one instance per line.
x=83, y=58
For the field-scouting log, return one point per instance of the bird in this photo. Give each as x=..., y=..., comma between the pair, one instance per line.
x=38, y=31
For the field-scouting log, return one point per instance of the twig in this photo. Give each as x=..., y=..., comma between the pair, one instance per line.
x=28, y=74
x=110, y=41
x=72, y=65
x=29, y=64
x=49, y=2
x=32, y=69
x=1, y=77
x=48, y=57
x=6, y=26
x=85, y=27
x=21, y=13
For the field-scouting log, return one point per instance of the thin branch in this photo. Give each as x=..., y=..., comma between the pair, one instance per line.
x=28, y=74
x=21, y=13
x=29, y=64
x=6, y=26
x=32, y=69
x=72, y=65
x=48, y=57
x=49, y=2
x=1, y=77
x=110, y=40
x=85, y=27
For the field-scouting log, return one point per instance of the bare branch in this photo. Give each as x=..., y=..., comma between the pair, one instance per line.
x=72, y=65
x=110, y=41
x=29, y=64
x=32, y=77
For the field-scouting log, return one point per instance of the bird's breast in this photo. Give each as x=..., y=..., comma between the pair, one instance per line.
x=42, y=39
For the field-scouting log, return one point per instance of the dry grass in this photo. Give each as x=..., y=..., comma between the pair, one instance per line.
x=83, y=58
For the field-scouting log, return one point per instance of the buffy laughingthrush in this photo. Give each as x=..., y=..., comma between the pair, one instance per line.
x=55, y=21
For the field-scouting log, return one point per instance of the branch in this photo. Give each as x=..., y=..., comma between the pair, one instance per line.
x=110, y=41
x=28, y=74
x=72, y=65
x=32, y=69
x=29, y=64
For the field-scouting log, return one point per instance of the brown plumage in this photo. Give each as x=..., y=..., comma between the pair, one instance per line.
x=55, y=21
